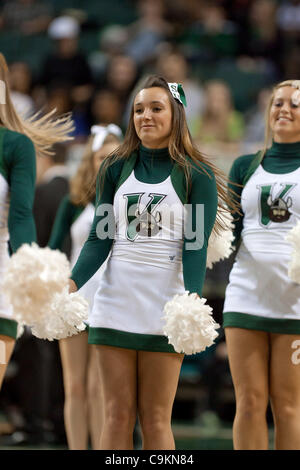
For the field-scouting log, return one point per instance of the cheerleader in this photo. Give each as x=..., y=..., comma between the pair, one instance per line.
x=82, y=409
x=152, y=256
x=20, y=140
x=262, y=305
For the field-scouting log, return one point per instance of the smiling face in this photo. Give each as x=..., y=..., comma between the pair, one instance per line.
x=285, y=115
x=152, y=116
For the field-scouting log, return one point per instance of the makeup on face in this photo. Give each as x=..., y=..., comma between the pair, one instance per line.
x=285, y=115
x=153, y=117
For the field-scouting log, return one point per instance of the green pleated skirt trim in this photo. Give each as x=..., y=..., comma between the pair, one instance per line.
x=254, y=322
x=124, y=339
x=8, y=327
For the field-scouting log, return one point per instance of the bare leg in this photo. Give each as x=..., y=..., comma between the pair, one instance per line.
x=158, y=375
x=95, y=398
x=285, y=392
x=248, y=352
x=118, y=371
x=6, y=348
x=74, y=356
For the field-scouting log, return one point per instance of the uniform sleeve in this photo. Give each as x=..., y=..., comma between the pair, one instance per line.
x=98, y=245
x=62, y=224
x=21, y=162
x=235, y=183
x=200, y=219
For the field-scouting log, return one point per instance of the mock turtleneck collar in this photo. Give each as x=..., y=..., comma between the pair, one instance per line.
x=291, y=150
x=146, y=153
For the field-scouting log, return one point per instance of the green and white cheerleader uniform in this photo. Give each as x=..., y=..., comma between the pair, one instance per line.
x=75, y=220
x=148, y=259
x=260, y=295
x=17, y=184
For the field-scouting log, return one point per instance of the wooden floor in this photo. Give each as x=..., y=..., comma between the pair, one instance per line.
x=209, y=435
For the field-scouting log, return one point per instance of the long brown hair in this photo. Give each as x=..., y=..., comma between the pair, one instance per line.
x=180, y=146
x=44, y=131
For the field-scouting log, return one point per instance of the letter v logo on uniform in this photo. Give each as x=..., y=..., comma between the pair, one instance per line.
x=274, y=207
x=142, y=220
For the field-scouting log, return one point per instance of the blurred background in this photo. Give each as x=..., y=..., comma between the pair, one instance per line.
x=86, y=57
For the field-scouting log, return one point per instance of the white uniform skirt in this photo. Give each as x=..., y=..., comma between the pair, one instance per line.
x=260, y=295
x=129, y=303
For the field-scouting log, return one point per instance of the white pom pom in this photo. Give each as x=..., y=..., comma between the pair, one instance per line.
x=36, y=285
x=220, y=246
x=189, y=324
x=293, y=237
x=20, y=330
x=34, y=274
x=67, y=313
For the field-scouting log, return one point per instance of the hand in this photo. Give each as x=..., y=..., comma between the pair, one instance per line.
x=72, y=286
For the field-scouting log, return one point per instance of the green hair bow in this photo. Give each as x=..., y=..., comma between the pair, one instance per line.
x=177, y=91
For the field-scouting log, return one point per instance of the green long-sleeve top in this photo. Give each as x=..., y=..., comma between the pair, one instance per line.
x=67, y=213
x=279, y=159
x=18, y=168
x=154, y=166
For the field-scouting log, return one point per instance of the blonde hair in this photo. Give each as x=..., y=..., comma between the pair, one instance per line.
x=44, y=131
x=293, y=83
x=83, y=183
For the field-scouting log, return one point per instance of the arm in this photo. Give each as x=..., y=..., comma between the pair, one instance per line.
x=237, y=175
x=62, y=223
x=203, y=192
x=20, y=159
x=96, y=250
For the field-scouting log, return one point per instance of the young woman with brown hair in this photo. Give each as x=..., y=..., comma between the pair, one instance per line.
x=262, y=305
x=20, y=140
x=83, y=397
x=149, y=179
